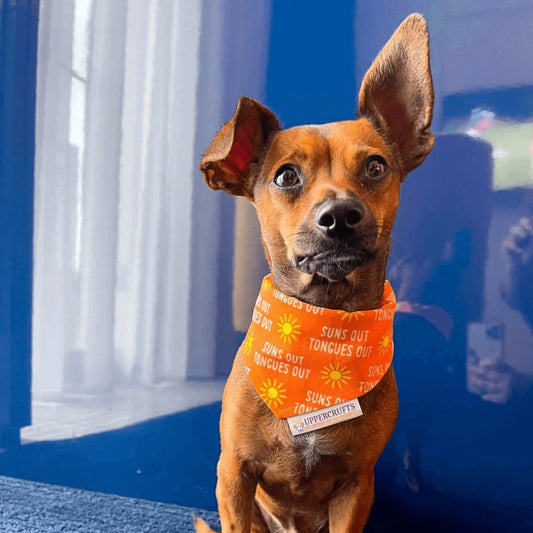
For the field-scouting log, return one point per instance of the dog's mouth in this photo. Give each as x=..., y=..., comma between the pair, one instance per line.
x=330, y=266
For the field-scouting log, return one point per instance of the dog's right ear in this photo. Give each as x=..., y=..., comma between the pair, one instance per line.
x=238, y=144
x=397, y=93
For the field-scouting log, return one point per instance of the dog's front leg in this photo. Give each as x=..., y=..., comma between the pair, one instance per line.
x=235, y=495
x=348, y=511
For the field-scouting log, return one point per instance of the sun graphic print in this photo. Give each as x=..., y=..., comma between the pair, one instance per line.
x=335, y=375
x=248, y=344
x=385, y=344
x=288, y=328
x=345, y=315
x=273, y=392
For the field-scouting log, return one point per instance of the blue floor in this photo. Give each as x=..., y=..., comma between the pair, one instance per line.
x=30, y=507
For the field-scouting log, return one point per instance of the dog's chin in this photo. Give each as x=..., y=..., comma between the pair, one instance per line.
x=321, y=279
x=328, y=268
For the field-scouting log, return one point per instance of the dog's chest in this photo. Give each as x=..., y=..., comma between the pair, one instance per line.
x=299, y=458
x=297, y=470
x=310, y=448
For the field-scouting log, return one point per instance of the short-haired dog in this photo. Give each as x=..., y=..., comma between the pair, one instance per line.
x=326, y=198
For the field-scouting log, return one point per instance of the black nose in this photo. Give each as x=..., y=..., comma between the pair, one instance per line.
x=339, y=218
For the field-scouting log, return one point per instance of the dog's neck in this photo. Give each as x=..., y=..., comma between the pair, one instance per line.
x=361, y=290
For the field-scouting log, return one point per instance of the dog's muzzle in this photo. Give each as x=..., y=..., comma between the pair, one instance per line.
x=342, y=238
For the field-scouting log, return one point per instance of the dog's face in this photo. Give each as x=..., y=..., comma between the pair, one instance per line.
x=326, y=195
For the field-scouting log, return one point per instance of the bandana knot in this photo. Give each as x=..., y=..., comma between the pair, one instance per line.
x=301, y=358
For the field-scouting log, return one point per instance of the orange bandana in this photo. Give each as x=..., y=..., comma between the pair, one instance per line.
x=301, y=358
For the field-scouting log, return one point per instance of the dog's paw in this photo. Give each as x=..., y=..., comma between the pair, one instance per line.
x=201, y=527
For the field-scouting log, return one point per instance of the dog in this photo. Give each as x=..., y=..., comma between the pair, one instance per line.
x=326, y=198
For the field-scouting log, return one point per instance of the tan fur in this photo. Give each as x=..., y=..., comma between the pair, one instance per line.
x=268, y=480
x=201, y=527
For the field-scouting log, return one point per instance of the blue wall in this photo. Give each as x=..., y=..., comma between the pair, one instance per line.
x=18, y=59
x=311, y=62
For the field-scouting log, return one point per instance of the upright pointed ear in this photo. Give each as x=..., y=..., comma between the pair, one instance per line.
x=397, y=93
x=240, y=143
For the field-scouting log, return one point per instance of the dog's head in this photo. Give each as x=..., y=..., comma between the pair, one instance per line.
x=326, y=195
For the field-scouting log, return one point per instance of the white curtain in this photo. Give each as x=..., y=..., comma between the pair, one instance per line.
x=126, y=245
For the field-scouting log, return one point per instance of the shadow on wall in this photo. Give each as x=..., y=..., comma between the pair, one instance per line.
x=448, y=440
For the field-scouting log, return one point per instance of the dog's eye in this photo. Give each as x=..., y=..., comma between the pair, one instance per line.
x=376, y=167
x=286, y=176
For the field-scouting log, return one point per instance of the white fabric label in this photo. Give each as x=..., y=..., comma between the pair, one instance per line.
x=322, y=418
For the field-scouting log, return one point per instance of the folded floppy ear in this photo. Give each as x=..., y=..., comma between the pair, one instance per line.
x=397, y=93
x=239, y=144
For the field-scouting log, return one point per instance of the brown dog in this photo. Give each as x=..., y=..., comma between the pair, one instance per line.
x=326, y=197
